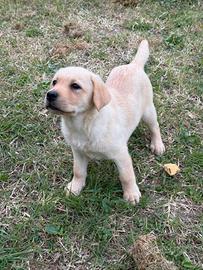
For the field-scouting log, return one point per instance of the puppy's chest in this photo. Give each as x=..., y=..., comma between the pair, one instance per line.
x=92, y=147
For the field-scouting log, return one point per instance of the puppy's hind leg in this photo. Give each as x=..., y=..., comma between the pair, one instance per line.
x=131, y=191
x=79, y=173
x=150, y=118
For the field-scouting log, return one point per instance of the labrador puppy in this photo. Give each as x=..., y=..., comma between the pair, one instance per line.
x=97, y=118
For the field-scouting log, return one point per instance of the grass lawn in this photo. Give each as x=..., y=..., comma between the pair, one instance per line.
x=41, y=228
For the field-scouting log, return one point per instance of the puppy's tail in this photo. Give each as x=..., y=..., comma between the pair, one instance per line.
x=142, y=54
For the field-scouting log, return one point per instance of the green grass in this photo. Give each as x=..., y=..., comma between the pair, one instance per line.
x=40, y=227
x=33, y=32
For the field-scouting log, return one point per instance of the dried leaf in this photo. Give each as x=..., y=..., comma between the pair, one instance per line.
x=171, y=169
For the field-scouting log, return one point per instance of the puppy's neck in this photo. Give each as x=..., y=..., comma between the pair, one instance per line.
x=81, y=120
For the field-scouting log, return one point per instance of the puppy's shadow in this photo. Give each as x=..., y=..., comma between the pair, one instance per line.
x=139, y=141
x=103, y=177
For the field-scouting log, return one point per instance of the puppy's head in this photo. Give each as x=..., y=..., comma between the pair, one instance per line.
x=75, y=90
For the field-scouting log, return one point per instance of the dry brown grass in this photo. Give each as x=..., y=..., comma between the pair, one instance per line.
x=148, y=256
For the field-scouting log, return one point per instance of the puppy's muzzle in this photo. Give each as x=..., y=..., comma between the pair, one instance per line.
x=52, y=96
x=50, y=100
x=52, y=103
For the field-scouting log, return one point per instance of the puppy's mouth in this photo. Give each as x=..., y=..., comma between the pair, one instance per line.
x=52, y=107
x=56, y=109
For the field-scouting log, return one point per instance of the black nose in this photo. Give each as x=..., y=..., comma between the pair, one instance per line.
x=52, y=95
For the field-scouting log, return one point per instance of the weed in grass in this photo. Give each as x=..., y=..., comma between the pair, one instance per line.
x=174, y=40
x=99, y=54
x=33, y=32
x=138, y=25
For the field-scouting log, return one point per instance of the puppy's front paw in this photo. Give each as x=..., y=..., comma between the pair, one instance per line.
x=132, y=196
x=74, y=187
x=157, y=147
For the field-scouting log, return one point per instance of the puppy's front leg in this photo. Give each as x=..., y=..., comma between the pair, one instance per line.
x=131, y=191
x=79, y=173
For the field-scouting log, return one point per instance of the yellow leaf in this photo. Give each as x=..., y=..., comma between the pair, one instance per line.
x=171, y=169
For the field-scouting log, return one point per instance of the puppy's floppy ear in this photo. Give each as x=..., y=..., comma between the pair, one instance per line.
x=101, y=96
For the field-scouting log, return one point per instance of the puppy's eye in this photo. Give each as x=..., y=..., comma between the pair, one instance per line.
x=75, y=86
x=54, y=82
